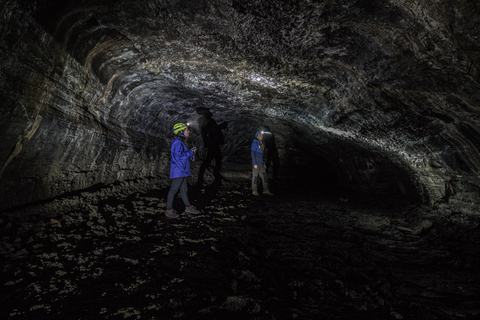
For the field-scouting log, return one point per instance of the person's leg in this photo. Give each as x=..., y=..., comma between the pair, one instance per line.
x=183, y=192
x=218, y=162
x=263, y=175
x=206, y=162
x=176, y=183
x=255, y=179
x=170, y=213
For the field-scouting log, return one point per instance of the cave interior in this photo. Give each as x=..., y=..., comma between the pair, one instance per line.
x=374, y=108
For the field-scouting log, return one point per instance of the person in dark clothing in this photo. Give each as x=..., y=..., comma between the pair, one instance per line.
x=180, y=170
x=212, y=136
x=273, y=160
x=258, y=165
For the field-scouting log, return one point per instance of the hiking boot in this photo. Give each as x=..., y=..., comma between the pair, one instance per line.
x=192, y=210
x=255, y=193
x=268, y=193
x=172, y=214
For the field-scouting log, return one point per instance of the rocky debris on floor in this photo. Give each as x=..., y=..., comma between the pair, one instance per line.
x=113, y=254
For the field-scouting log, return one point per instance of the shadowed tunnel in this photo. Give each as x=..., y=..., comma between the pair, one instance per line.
x=374, y=106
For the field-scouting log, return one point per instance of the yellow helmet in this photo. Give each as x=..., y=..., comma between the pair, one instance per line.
x=179, y=127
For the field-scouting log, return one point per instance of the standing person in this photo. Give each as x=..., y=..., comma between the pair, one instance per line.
x=273, y=160
x=180, y=170
x=212, y=136
x=259, y=168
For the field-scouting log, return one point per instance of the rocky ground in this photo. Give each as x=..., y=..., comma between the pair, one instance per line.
x=110, y=253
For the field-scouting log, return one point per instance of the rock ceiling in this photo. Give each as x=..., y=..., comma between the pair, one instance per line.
x=383, y=93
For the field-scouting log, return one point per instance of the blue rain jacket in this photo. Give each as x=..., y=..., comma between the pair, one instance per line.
x=257, y=153
x=180, y=163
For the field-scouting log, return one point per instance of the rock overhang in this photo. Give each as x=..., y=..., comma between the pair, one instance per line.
x=361, y=86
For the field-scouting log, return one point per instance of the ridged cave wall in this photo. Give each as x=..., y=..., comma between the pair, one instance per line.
x=374, y=105
x=382, y=95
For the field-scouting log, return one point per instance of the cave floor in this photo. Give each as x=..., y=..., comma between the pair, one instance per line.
x=300, y=254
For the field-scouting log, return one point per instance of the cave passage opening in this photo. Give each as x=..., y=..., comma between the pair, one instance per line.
x=313, y=162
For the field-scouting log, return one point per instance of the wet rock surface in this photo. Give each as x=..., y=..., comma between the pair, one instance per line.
x=302, y=254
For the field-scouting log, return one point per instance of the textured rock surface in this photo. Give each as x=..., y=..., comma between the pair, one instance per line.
x=368, y=99
x=384, y=94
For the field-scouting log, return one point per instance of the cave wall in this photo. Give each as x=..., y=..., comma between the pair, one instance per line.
x=385, y=94
x=54, y=138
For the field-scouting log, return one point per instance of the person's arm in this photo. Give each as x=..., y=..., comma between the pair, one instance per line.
x=253, y=151
x=181, y=152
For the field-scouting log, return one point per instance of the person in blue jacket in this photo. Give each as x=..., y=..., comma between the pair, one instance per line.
x=259, y=168
x=180, y=170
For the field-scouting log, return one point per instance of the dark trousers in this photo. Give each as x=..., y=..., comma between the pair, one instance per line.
x=260, y=171
x=178, y=183
x=212, y=153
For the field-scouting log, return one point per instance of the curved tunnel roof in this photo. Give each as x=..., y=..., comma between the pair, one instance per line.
x=377, y=90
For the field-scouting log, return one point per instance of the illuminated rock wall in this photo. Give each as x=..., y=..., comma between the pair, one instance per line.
x=378, y=97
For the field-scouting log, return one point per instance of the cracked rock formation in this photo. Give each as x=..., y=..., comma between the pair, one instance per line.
x=382, y=95
x=366, y=98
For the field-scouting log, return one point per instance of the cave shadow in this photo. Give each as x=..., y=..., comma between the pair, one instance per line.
x=322, y=183
x=275, y=248
x=202, y=196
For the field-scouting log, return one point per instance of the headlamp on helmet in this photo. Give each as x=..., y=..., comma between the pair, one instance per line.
x=262, y=132
x=179, y=127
